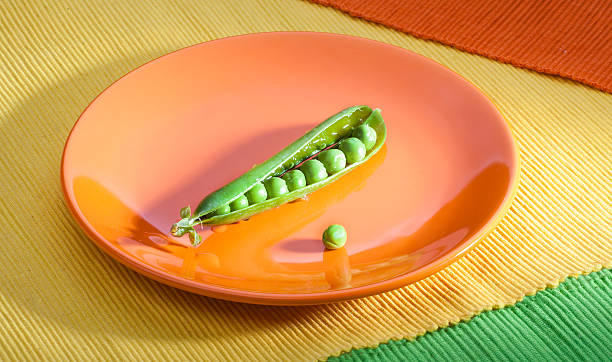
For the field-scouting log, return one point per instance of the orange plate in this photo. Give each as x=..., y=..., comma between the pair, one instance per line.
x=183, y=125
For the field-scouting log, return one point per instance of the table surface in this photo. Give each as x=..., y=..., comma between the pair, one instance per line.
x=61, y=297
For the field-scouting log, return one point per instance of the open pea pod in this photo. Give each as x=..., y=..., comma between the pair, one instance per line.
x=367, y=132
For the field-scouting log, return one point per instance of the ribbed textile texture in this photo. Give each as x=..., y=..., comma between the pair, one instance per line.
x=569, y=38
x=62, y=298
x=572, y=322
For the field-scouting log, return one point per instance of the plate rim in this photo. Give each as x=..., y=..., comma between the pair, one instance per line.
x=266, y=298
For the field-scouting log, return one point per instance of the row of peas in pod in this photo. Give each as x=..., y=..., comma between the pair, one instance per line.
x=328, y=162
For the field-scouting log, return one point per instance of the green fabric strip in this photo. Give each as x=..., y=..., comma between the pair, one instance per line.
x=570, y=322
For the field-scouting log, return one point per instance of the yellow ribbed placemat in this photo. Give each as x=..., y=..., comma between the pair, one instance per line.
x=61, y=297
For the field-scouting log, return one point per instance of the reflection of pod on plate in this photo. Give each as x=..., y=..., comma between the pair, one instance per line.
x=262, y=188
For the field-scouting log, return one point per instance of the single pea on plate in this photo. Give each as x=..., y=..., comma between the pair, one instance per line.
x=334, y=237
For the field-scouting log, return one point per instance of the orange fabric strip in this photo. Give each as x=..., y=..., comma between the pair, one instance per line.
x=572, y=39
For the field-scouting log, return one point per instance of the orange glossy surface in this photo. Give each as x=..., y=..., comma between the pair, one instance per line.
x=183, y=125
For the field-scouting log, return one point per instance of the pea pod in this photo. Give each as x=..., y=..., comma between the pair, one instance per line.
x=212, y=210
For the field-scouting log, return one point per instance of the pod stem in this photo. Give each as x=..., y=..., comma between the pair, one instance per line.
x=186, y=226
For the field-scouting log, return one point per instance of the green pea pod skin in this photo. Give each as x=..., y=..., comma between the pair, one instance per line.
x=325, y=134
x=375, y=121
x=329, y=131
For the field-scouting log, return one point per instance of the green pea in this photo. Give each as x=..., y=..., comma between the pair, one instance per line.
x=240, y=203
x=256, y=194
x=366, y=134
x=334, y=236
x=314, y=171
x=295, y=179
x=225, y=209
x=276, y=187
x=333, y=160
x=353, y=149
